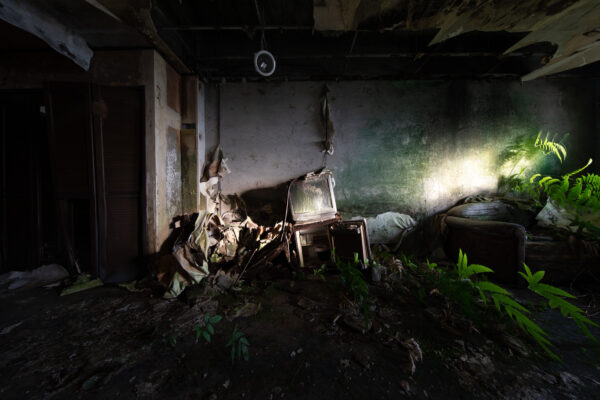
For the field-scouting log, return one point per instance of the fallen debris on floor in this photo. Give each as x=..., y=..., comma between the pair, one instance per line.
x=44, y=275
x=230, y=248
x=81, y=283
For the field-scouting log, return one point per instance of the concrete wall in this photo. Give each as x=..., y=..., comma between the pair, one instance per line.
x=167, y=150
x=412, y=146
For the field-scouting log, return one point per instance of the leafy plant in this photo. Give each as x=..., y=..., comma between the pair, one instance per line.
x=320, y=272
x=381, y=256
x=207, y=329
x=502, y=299
x=579, y=195
x=354, y=282
x=172, y=340
x=407, y=261
x=525, y=147
x=556, y=299
x=465, y=271
x=239, y=345
x=551, y=146
x=431, y=265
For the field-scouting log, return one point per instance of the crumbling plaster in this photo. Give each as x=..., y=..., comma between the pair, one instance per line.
x=412, y=146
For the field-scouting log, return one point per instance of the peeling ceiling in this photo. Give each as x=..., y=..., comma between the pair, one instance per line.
x=572, y=25
x=328, y=39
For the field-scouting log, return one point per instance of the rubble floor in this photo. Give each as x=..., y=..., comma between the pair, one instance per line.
x=110, y=343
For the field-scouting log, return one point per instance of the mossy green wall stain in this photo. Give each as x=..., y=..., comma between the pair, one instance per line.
x=383, y=166
x=411, y=146
x=396, y=158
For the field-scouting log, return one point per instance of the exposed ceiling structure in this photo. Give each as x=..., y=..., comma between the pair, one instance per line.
x=331, y=39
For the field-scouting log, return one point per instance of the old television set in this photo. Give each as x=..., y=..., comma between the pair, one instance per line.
x=313, y=209
x=312, y=199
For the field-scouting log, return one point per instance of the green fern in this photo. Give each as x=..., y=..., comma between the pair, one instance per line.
x=525, y=147
x=503, y=300
x=581, y=195
x=551, y=146
x=556, y=299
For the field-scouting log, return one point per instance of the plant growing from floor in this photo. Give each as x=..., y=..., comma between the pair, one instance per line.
x=407, y=261
x=207, y=329
x=431, y=265
x=320, y=272
x=460, y=285
x=239, y=345
x=354, y=282
x=382, y=256
x=557, y=299
x=503, y=300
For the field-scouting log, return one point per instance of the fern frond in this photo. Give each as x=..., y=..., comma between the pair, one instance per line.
x=551, y=146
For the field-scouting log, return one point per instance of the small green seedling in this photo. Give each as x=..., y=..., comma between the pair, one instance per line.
x=431, y=265
x=407, y=261
x=239, y=346
x=354, y=282
x=208, y=329
x=172, y=340
x=320, y=272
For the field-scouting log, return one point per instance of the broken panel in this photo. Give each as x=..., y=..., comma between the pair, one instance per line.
x=350, y=237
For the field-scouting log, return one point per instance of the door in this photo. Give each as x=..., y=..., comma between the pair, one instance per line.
x=73, y=177
x=118, y=129
x=97, y=152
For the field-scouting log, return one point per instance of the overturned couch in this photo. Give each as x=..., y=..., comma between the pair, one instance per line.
x=505, y=233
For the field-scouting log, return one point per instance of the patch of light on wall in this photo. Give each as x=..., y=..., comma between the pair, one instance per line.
x=469, y=174
x=524, y=164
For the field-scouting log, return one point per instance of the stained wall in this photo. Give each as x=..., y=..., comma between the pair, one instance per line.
x=411, y=146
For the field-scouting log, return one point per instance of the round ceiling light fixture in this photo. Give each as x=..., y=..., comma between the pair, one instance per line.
x=264, y=63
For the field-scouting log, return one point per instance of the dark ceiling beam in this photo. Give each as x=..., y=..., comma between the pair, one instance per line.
x=30, y=17
x=258, y=27
x=357, y=77
x=234, y=28
x=136, y=13
x=409, y=55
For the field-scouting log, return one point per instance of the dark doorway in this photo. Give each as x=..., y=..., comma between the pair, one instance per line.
x=28, y=228
x=96, y=146
x=119, y=142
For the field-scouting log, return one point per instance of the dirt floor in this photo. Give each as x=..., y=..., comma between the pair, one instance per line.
x=305, y=343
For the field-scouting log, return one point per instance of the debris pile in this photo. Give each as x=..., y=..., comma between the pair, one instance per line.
x=229, y=245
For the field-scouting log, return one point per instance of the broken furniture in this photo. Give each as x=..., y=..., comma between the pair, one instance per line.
x=347, y=237
x=318, y=228
x=503, y=236
x=498, y=245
